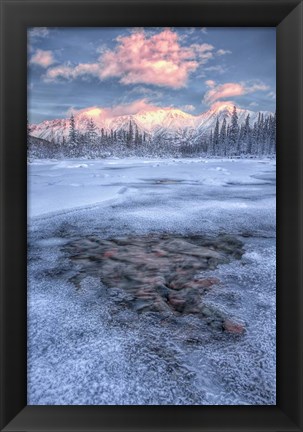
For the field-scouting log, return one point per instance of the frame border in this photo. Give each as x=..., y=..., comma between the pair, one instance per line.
x=16, y=16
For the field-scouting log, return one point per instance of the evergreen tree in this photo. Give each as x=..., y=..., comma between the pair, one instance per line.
x=246, y=147
x=272, y=133
x=227, y=146
x=215, y=145
x=72, y=139
x=262, y=134
x=63, y=141
x=266, y=136
x=254, y=139
x=233, y=133
x=222, y=138
x=91, y=132
x=130, y=135
x=210, y=147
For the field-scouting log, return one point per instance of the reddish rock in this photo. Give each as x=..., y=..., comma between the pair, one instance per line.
x=202, y=283
x=109, y=253
x=209, y=282
x=233, y=327
x=213, y=281
x=177, y=303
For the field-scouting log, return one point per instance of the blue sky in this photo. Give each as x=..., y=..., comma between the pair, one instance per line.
x=126, y=70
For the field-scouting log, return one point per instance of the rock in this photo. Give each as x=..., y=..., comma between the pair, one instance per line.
x=233, y=327
x=177, y=303
x=203, y=283
x=141, y=305
x=216, y=325
x=110, y=253
x=206, y=311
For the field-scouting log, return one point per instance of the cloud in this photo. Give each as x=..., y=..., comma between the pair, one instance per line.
x=188, y=108
x=190, y=30
x=256, y=87
x=132, y=108
x=71, y=72
x=218, y=68
x=231, y=89
x=223, y=91
x=152, y=94
x=210, y=83
x=157, y=59
x=222, y=105
x=42, y=58
x=38, y=32
x=271, y=95
x=222, y=52
x=253, y=104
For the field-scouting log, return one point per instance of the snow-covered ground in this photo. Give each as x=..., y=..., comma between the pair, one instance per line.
x=83, y=348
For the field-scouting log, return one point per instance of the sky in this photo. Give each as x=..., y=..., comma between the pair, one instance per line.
x=127, y=70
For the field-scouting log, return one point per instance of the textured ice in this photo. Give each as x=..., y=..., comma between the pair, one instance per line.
x=83, y=348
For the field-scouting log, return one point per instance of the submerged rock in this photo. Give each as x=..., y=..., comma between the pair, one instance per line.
x=234, y=327
x=160, y=272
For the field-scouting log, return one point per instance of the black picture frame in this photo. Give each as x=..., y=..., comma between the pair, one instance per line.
x=287, y=17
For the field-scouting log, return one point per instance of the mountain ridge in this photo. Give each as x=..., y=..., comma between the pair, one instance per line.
x=154, y=122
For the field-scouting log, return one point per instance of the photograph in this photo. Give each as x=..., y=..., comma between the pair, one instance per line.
x=151, y=216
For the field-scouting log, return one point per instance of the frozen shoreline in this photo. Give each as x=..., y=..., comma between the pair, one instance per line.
x=112, y=356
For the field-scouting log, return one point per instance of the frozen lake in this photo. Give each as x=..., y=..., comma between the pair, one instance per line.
x=87, y=345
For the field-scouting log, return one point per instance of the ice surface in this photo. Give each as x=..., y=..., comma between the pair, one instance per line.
x=83, y=348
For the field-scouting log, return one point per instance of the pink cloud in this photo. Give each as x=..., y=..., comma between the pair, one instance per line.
x=228, y=90
x=223, y=91
x=156, y=59
x=222, y=104
x=210, y=83
x=43, y=58
x=134, y=107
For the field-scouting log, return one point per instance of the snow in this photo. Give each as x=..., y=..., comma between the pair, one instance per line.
x=84, y=349
x=63, y=185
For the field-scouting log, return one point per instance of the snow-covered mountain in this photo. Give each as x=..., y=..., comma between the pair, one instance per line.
x=164, y=122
